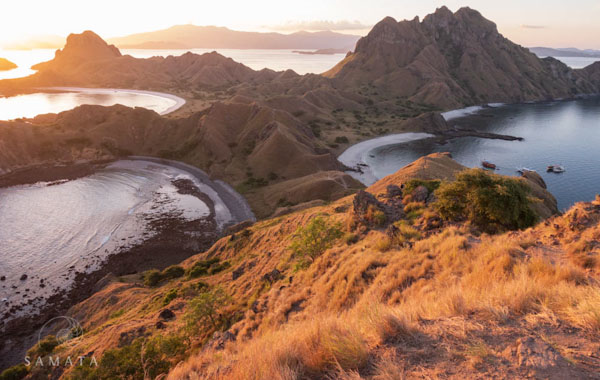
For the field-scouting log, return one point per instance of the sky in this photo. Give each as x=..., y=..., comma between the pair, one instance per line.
x=552, y=23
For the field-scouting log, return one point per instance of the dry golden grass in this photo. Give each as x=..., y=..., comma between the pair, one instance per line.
x=379, y=309
x=362, y=303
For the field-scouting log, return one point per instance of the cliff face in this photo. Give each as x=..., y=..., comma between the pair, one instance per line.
x=454, y=59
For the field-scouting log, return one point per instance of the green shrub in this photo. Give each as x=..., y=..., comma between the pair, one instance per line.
x=152, y=277
x=14, y=373
x=170, y=296
x=205, y=309
x=218, y=267
x=44, y=346
x=491, y=202
x=200, y=268
x=144, y=358
x=313, y=239
x=411, y=185
x=174, y=271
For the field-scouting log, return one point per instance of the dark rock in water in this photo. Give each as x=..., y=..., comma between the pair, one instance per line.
x=23, y=277
x=3, y=278
x=166, y=315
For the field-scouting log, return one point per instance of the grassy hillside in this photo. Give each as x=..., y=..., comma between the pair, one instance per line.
x=370, y=286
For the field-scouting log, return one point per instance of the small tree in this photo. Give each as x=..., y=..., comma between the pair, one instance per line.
x=313, y=239
x=206, y=308
x=492, y=202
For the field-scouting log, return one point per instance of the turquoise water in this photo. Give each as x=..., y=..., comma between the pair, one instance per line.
x=561, y=132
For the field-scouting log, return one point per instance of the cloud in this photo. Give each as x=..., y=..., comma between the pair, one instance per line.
x=320, y=25
x=533, y=26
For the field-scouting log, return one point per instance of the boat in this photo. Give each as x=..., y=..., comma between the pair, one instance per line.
x=556, y=169
x=524, y=170
x=488, y=165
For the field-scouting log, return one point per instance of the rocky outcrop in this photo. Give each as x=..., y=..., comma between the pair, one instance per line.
x=433, y=166
x=5, y=65
x=441, y=166
x=456, y=59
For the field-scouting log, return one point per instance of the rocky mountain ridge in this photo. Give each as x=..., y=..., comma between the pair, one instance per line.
x=453, y=60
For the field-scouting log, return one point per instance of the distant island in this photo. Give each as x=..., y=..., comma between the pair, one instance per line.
x=6, y=65
x=329, y=51
x=213, y=37
x=565, y=52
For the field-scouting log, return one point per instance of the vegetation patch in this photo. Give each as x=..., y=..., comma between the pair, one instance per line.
x=312, y=240
x=493, y=203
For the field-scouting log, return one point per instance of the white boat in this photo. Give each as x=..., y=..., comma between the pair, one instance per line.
x=524, y=170
x=556, y=169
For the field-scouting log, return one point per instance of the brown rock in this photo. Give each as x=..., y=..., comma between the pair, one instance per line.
x=420, y=194
x=166, y=315
x=536, y=353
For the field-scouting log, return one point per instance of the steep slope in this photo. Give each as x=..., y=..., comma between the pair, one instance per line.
x=454, y=59
x=511, y=305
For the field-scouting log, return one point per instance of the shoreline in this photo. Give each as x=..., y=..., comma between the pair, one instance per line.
x=179, y=237
x=179, y=102
x=235, y=203
x=30, y=175
x=355, y=156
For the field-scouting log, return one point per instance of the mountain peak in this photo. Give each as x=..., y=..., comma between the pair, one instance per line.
x=89, y=42
x=450, y=60
x=82, y=47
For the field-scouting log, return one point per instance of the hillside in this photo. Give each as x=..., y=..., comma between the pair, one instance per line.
x=212, y=37
x=268, y=155
x=405, y=294
x=454, y=59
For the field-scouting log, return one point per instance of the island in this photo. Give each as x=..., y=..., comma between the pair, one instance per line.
x=6, y=65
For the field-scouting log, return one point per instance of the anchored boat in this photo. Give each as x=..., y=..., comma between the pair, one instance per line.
x=524, y=170
x=556, y=169
x=488, y=165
